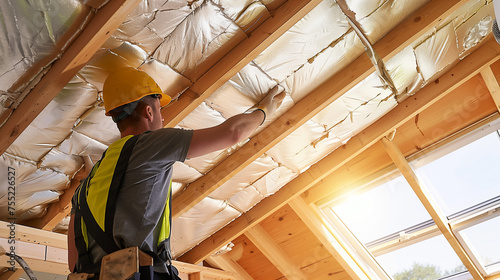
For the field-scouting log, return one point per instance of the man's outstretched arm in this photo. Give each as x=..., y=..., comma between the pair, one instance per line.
x=234, y=129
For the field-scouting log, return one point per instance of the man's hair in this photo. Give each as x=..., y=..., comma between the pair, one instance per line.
x=135, y=116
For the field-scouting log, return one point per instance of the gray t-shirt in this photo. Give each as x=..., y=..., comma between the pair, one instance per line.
x=144, y=191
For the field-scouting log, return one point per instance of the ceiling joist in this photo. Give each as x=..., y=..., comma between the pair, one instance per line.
x=261, y=239
x=313, y=222
x=455, y=76
x=313, y=103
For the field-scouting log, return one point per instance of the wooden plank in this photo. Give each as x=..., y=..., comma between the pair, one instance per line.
x=33, y=235
x=492, y=84
x=308, y=107
x=103, y=24
x=430, y=205
x=331, y=243
x=262, y=37
x=226, y=263
x=41, y=265
x=195, y=276
x=461, y=72
x=188, y=268
x=274, y=253
x=12, y=274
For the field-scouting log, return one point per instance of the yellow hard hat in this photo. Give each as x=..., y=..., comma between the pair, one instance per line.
x=127, y=85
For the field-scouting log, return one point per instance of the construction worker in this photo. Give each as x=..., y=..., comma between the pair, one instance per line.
x=125, y=200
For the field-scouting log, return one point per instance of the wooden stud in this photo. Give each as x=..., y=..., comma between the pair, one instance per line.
x=492, y=84
x=261, y=38
x=274, y=253
x=12, y=274
x=188, y=268
x=33, y=235
x=226, y=263
x=461, y=72
x=330, y=242
x=309, y=106
x=99, y=29
x=431, y=207
x=195, y=276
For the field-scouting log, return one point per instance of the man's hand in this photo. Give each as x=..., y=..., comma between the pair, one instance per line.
x=272, y=101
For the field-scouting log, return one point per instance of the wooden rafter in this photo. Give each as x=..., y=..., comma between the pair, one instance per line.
x=11, y=274
x=261, y=38
x=430, y=205
x=313, y=103
x=492, y=84
x=464, y=70
x=261, y=239
x=226, y=263
x=313, y=222
x=103, y=24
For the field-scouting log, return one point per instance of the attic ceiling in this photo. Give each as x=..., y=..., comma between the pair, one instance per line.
x=353, y=72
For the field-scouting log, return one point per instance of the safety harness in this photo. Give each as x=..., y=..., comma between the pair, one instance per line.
x=98, y=222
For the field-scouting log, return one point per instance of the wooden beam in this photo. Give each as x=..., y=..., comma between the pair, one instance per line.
x=314, y=223
x=274, y=253
x=262, y=37
x=33, y=235
x=188, y=268
x=309, y=106
x=462, y=71
x=195, y=276
x=11, y=274
x=38, y=257
x=226, y=263
x=492, y=84
x=430, y=205
x=103, y=24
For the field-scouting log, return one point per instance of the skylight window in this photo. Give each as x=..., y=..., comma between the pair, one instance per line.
x=464, y=177
x=483, y=241
x=384, y=210
x=430, y=259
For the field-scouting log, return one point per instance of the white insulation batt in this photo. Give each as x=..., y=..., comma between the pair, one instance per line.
x=176, y=42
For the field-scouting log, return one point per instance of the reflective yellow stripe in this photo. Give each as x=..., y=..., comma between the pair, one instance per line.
x=98, y=189
x=165, y=220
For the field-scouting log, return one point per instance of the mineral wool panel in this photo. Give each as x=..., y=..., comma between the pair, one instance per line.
x=200, y=222
x=99, y=127
x=247, y=88
x=54, y=123
x=475, y=28
x=385, y=17
x=62, y=162
x=170, y=82
x=184, y=174
x=31, y=32
x=97, y=70
x=82, y=145
x=324, y=65
x=202, y=33
x=244, y=178
x=274, y=180
x=316, y=31
x=245, y=199
x=437, y=52
x=402, y=69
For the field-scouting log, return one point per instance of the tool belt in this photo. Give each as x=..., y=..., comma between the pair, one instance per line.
x=130, y=263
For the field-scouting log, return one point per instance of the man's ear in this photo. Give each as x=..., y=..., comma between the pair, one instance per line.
x=149, y=112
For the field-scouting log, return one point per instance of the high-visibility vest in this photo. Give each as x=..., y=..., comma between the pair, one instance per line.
x=96, y=204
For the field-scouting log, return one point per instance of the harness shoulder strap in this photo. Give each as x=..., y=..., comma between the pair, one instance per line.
x=103, y=238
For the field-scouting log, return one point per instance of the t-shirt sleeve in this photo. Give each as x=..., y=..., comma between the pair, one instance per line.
x=164, y=145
